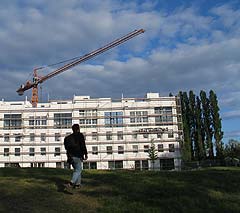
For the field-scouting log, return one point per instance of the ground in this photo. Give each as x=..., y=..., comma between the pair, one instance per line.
x=43, y=190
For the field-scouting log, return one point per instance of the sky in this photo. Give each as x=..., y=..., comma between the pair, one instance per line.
x=187, y=45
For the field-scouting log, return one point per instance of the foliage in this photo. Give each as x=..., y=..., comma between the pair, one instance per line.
x=207, y=124
x=232, y=149
x=217, y=126
x=186, y=144
x=41, y=190
x=201, y=121
x=199, y=141
x=153, y=152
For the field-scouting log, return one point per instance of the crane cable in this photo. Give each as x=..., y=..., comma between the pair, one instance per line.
x=51, y=65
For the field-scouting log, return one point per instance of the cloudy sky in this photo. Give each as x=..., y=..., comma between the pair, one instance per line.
x=188, y=45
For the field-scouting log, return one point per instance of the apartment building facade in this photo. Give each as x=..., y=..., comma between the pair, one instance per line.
x=118, y=133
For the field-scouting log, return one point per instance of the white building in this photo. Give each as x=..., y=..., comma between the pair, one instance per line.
x=118, y=132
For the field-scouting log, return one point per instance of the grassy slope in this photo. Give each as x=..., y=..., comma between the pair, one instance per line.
x=41, y=190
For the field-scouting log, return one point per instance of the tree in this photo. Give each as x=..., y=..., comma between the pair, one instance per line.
x=186, y=143
x=153, y=153
x=232, y=153
x=232, y=149
x=216, y=123
x=200, y=150
x=192, y=124
x=207, y=121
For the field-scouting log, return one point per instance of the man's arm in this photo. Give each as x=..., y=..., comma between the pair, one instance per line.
x=85, y=153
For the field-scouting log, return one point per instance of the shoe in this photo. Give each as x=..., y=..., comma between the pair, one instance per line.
x=69, y=185
x=77, y=186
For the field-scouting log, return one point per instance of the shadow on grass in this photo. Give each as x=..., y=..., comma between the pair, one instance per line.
x=124, y=191
x=41, y=190
x=56, y=176
x=215, y=191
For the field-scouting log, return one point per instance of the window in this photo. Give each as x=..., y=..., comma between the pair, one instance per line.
x=118, y=164
x=17, y=151
x=43, y=136
x=32, y=136
x=113, y=119
x=43, y=150
x=62, y=120
x=137, y=165
x=159, y=135
x=145, y=164
x=88, y=113
x=31, y=151
x=120, y=150
x=68, y=133
x=57, y=151
x=109, y=135
x=12, y=121
x=135, y=148
x=138, y=117
x=109, y=150
x=120, y=135
x=6, y=137
x=163, y=119
x=164, y=114
x=94, y=136
x=58, y=164
x=88, y=123
x=87, y=119
x=134, y=135
x=85, y=165
x=170, y=135
x=6, y=152
x=171, y=147
x=167, y=164
x=145, y=135
x=111, y=165
x=89, y=165
x=160, y=148
x=17, y=137
x=93, y=165
x=38, y=121
x=163, y=110
x=94, y=150
x=57, y=137
x=146, y=148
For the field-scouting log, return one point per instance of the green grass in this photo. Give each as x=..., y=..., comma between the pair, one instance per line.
x=42, y=190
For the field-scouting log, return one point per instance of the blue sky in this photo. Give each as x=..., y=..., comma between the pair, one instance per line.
x=188, y=45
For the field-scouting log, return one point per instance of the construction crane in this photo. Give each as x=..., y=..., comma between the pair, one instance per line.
x=40, y=79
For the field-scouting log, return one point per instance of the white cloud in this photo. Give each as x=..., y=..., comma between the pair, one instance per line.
x=232, y=134
x=180, y=50
x=231, y=114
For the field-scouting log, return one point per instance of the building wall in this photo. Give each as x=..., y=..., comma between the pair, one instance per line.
x=127, y=125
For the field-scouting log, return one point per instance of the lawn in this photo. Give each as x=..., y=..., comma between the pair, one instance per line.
x=42, y=190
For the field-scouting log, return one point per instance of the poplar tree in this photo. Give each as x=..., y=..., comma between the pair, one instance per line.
x=216, y=123
x=186, y=143
x=192, y=123
x=207, y=121
x=199, y=145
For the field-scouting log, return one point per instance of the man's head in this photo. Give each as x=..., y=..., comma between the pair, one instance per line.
x=75, y=128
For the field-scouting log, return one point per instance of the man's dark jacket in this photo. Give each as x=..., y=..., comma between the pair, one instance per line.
x=75, y=145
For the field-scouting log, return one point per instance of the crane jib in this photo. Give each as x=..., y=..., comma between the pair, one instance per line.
x=86, y=57
x=92, y=54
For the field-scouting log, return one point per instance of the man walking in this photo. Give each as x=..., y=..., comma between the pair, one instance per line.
x=76, y=152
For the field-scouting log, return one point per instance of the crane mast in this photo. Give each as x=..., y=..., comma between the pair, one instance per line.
x=38, y=80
